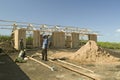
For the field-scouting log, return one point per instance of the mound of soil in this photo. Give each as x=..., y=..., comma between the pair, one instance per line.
x=6, y=47
x=90, y=52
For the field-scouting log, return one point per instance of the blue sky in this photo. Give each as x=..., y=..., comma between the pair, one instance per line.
x=98, y=15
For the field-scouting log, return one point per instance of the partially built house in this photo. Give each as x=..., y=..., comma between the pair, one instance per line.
x=61, y=36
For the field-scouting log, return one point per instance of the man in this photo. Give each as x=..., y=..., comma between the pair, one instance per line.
x=21, y=57
x=21, y=44
x=44, y=47
x=22, y=53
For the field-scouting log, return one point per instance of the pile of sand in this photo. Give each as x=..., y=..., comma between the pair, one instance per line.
x=90, y=52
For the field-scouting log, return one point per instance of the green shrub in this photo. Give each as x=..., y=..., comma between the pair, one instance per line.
x=29, y=40
x=109, y=45
x=4, y=38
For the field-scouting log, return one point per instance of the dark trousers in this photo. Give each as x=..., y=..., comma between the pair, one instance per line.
x=44, y=54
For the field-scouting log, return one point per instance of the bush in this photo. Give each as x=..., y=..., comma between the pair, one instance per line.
x=29, y=40
x=109, y=45
x=4, y=38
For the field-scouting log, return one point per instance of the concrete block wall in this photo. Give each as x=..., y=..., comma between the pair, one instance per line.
x=19, y=34
x=75, y=40
x=92, y=37
x=36, y=38
x=68, y=42
x=58, y=40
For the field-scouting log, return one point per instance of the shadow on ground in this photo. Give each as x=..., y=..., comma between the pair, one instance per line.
x=9, y=70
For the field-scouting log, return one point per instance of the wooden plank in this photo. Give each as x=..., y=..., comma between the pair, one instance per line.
x=37, y=54
x=75, y=65
x=51, y=68
x=92, y=76
x=77, y=71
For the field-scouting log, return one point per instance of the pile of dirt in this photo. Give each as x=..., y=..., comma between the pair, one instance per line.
x=6, y=47
x=90, y=52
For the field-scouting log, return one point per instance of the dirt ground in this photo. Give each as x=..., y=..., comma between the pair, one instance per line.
x=9, y=70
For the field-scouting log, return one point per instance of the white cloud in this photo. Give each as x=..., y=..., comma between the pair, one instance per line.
x=118, y=30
